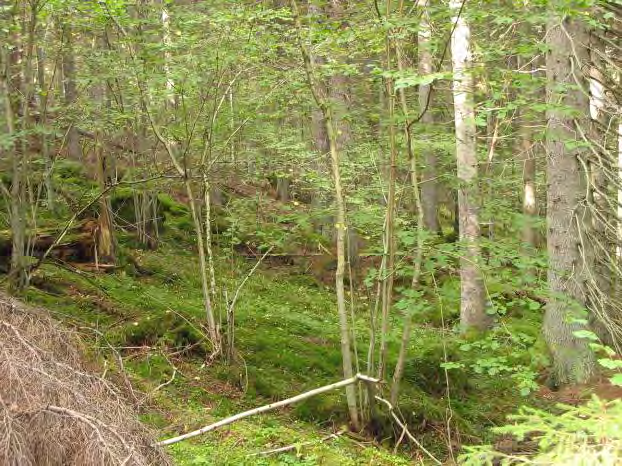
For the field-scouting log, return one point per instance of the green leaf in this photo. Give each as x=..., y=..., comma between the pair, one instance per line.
x=616, y=380
x=452, y=365
x=610, y=363
x=586, y=334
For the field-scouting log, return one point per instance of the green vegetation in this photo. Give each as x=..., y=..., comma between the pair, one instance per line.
x=237, y=202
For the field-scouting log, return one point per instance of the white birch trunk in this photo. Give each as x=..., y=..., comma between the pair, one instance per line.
x=472, y=311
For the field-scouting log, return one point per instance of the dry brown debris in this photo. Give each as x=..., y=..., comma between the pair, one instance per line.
x=53, y=411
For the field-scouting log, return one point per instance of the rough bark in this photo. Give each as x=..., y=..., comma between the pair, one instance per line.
x=573, y=361
x=472, y=310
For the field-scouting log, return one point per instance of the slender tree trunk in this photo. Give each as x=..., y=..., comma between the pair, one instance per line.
x=472, y=310
x=526, y=147
x=320, y=143
x=530, y=208
x=389, y=232
x=421, y=225
x=340, y=215
x=573, y=360
x=105, y=237
x=166, y=40
x=105, y=248
x=45, y=145
x=19, y=65
x=17, y=275
x=70, y=89
x=429, y=185
x=212, y=325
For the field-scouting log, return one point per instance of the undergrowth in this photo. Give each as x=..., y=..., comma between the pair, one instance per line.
x=287, y=341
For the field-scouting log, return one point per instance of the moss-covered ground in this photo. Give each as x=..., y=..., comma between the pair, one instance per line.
x=151, y=317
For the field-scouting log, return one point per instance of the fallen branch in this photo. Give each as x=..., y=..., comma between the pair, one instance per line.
x=92, y=423
x=296, y=446
x=269, y=407
x=405, y=429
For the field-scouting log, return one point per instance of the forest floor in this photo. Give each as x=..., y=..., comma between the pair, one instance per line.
x=148, y=313
x=287, y=342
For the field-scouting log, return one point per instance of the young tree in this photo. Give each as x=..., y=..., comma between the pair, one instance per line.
x=340, y=216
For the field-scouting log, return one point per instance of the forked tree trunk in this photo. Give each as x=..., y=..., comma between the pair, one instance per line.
x=573, y=360
x=340, y=216
x=472, y=310
x=429, y=186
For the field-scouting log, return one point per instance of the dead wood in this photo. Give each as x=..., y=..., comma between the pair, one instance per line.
x=53, y=411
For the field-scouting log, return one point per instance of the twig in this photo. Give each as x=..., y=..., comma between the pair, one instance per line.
x=405, y=429
x=243, y=282
x=162, y=385
x=296, y=446
x=269, y=407
x=91, y=422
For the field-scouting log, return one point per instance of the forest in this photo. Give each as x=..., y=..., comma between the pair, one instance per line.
x=310, y=232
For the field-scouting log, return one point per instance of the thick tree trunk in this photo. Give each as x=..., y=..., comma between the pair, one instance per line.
x=429, y=185
x=472, y=311
x=573, y=360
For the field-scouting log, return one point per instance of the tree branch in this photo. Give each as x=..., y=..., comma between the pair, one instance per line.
x=269, y=407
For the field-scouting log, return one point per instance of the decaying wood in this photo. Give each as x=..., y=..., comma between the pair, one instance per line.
x=52, y=409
